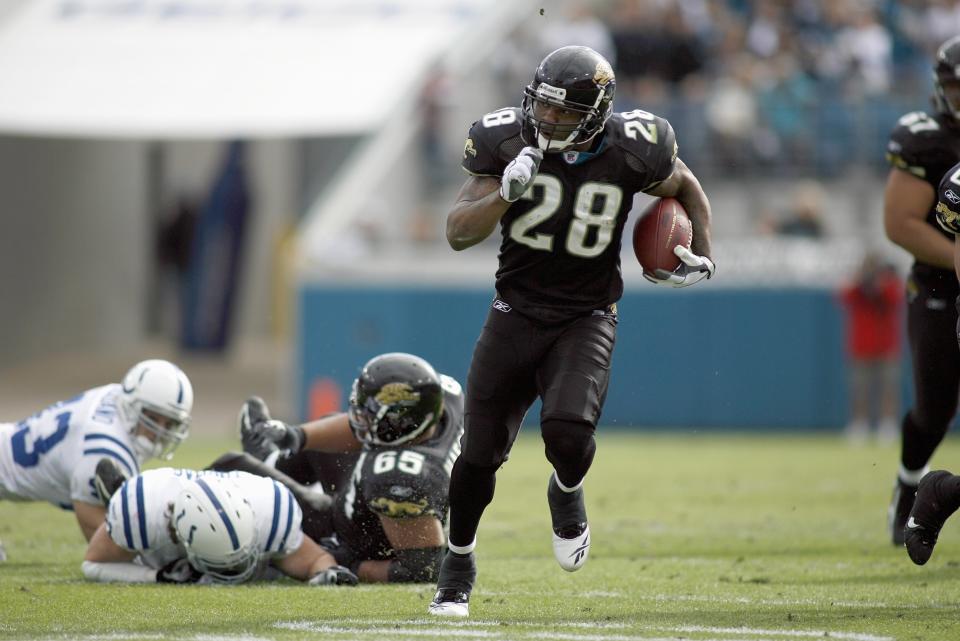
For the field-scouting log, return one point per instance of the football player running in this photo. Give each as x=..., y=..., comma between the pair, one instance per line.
x=183, y=526
x=938, y=493
x=403, y=427
x=558, y=175
x=921, y=150
x=53, y=455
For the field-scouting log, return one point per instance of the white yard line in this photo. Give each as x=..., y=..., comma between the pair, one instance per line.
x=823, y=634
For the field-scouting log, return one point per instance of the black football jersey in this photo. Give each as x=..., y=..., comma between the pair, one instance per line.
x=560, y=248
x=927, y=146
x=948, y=201
x=400, y=482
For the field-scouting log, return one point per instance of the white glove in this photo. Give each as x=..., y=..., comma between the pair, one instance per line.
x=692, y=270
x=520, y=173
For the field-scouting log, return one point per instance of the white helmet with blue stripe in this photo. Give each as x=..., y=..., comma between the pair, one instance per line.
x=216, y=526
x=158, y=397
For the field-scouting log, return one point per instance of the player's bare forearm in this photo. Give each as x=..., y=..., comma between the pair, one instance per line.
x=374, y=572
x=330, y=434
x=89, y=517
x=476, y=213
x=906, y=202
x=683, y=185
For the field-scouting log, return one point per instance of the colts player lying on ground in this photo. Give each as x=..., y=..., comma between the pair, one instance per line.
x=182, y=526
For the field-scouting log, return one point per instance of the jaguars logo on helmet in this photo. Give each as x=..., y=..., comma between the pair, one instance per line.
x=396, y=398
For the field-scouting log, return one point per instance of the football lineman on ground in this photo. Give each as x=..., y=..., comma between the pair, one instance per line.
x=403, y=429
x=181, y=526
x=52, y=456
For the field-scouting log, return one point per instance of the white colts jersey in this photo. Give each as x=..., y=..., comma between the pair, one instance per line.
x=138, y=518
x=52, y=455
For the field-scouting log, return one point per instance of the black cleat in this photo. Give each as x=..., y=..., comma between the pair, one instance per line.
x=571, y=534
x=458, y=572
x=253, y=413
x=107, y=479
x=899, y=510
x=928, y=515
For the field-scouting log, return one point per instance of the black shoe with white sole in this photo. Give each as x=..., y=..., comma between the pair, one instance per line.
x=571, y=533
x=458, y=572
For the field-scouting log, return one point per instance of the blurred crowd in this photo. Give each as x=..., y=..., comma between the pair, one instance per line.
x=771, y=86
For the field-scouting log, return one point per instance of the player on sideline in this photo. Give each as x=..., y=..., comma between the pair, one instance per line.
x=558, y=175
x=52, y=455
x=181, y=526
x=404, y=425
x=922, y=148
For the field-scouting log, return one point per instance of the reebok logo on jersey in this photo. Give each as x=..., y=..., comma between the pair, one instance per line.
x=502, y=306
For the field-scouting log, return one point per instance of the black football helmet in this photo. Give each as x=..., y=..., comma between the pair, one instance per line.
x=396, y=398
x=577, y=79
x=946, y=78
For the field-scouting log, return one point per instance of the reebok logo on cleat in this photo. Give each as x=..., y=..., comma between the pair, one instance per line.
x=580, y=551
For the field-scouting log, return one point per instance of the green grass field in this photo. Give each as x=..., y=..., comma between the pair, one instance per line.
x=696, y=537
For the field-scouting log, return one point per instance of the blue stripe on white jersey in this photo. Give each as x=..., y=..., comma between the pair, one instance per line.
x=125, y=507
x=223, y=514
x=132, y=471
x=276, y=515
x=141, y=513
x=113, y=439
x=286, y=533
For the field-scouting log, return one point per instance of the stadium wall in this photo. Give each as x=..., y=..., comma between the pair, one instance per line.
x=715, y=358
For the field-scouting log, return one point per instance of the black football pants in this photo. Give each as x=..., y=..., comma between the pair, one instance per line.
x=931, y=329
x=516, y=360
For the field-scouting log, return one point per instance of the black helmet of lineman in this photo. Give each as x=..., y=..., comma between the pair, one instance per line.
x=396, y=398
x=577, y=79
x=946, y=78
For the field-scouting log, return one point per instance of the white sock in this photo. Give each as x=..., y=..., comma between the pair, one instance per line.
x=462, y=549
x=912, y=477
x=566, y=489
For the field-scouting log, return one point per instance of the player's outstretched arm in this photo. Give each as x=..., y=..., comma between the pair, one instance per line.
x=108, y=562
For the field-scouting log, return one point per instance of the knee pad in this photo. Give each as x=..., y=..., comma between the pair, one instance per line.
x=570, y=448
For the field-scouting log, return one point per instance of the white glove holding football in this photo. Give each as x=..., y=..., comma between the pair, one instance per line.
x=692, y=270
x=519, y=173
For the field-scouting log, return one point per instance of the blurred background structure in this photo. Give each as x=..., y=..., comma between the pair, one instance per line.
x=257, y=190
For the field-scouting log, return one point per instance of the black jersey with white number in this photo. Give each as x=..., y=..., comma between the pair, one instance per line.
x=400, y=482
x=927, y=146
x=560, y=249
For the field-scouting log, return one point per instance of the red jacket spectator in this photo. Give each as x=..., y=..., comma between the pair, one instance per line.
x=873, y=306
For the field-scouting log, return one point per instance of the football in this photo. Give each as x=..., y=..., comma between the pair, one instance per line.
x=663, y=225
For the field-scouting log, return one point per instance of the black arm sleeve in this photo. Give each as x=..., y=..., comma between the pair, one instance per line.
x=416, y=565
